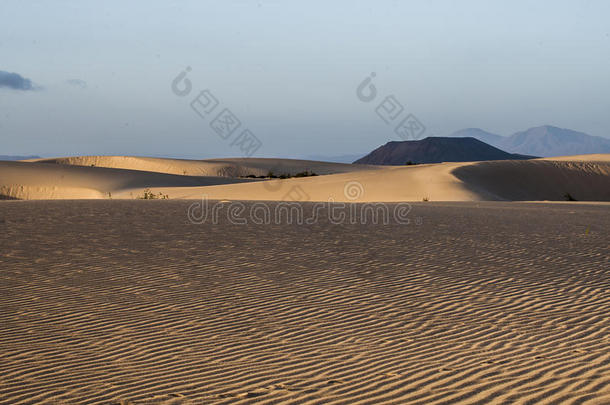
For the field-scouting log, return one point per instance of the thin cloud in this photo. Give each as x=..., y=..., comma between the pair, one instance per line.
x=77, y=83
x=15, y=81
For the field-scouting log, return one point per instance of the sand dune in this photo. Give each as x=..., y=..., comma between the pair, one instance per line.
x=585, y=177
x=478, y=181
x=391, y=183
x=23, y=180
x=109, y=301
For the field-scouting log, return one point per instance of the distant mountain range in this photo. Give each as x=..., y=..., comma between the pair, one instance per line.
x=10, y=157
x=437, y=150
x=545, y=141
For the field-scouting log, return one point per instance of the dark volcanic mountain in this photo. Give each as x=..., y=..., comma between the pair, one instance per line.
x=483, y=136
x=436, y=150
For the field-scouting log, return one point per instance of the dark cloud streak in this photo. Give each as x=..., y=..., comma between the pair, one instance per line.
x=15, y=81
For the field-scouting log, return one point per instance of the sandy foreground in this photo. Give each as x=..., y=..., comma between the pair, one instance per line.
x=480, y=302
x=584, y=177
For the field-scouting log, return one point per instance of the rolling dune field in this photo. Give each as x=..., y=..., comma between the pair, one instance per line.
x=585, y=177
x=473, y=303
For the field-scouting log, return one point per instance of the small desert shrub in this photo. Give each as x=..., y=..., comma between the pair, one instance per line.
x=271, y=175
x=149, y=195
x=569, y=197
x=410, y=163
x=306, y=173
x=426, y=199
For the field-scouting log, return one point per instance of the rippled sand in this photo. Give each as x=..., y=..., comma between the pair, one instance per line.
x=475, y=303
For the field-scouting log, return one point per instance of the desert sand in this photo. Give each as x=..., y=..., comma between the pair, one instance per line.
x=474, y=303
x=108, y=299
x=585, y=177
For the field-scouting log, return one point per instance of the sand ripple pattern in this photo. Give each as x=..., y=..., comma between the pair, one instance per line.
x=110, y=301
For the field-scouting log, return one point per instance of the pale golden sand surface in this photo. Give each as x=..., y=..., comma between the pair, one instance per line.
x=473, y=303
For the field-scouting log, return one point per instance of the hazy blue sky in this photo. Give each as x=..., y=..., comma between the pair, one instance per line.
x=102, y=72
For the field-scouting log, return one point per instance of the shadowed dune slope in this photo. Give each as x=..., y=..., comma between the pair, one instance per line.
x=538, y=179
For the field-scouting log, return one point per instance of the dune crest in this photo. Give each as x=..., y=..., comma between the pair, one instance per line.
x=229, y=167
